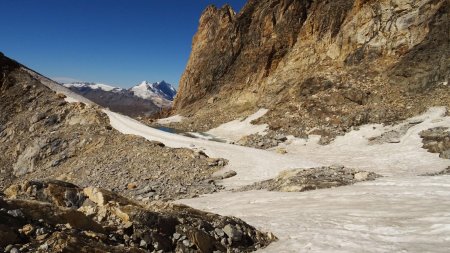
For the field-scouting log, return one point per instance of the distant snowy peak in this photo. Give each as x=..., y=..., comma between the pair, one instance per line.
x=93, y=86
x=148, y=90
x=161, y=94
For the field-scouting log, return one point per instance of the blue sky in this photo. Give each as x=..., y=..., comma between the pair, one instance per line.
x=119, y=42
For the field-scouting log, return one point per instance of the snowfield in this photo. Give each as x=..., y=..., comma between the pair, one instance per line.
x=401, y=212
x=387, y=215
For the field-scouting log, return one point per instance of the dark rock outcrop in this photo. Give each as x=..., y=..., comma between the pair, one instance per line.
x=299, y=180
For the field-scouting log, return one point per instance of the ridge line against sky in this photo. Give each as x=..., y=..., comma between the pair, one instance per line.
x=119, y=43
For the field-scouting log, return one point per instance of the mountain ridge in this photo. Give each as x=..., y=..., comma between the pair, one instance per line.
x=144, y=99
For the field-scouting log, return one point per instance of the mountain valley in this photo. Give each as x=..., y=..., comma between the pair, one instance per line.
x=298, y=126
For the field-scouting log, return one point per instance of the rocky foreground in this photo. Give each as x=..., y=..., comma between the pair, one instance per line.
x=55, y=216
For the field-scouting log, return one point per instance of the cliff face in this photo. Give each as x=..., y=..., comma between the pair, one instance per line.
x=325, y=64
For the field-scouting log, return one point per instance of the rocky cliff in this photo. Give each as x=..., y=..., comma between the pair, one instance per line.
x=319, y=66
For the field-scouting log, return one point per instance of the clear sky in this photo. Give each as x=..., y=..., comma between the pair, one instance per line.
x=120, y=42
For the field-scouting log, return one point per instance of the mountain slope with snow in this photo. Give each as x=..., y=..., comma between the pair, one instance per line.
x=143, y=99
x=94, y=86
x=161, y=93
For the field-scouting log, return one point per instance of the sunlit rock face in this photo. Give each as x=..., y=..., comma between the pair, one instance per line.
x=325, y=64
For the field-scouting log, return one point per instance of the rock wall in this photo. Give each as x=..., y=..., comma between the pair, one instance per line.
x=326, y=64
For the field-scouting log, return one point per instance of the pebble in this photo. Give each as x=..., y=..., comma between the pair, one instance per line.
x=219, y=232
x=176, y=236
x=186, y=243
x=8, y=248
x=17, y=213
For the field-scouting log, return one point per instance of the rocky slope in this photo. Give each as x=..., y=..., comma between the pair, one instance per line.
x=321, y=67
x=55, y=216
x=42, y=136
x=144, y=99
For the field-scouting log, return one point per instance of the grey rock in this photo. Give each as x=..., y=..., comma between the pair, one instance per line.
x=445, y=154
x=280, y=137
x=17, y=213
x=51, y=120
x=232, y=233
x=14, y=250
x=219, y=232
x=27, y=159
x=37, y=117
x=146, y=189
x=8, y=248
x=187, y=243
x=176, y=236
x=143, y=244
x=229, y=174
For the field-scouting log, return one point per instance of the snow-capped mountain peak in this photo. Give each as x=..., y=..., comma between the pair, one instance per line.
x=158, y=89
x=149, y=96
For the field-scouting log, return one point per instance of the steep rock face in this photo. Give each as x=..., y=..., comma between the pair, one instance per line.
x=228, y=47
x=327, y=65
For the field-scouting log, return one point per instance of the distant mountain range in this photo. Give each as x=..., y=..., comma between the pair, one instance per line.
x=143, y=99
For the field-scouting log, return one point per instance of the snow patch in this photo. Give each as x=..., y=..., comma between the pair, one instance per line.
x=236, y=129
x=172, y=119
